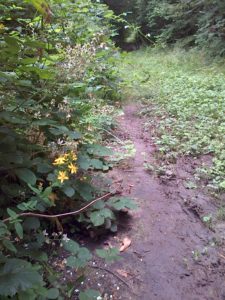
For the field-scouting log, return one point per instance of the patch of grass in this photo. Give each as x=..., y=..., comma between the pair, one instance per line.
x=184, y=95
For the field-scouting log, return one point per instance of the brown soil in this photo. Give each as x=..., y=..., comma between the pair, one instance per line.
x=173, y=254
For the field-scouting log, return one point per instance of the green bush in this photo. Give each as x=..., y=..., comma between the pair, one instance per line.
x=56, y=70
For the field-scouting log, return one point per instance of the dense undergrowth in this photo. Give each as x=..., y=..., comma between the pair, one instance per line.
x=198, y=23
x=58, y=83
x=185, y=95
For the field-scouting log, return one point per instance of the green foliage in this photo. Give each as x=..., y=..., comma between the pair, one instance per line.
x=184, y=94
x=102, y=213
x=195, y=22
x=89, y=295
x=57, y=70
x=109, y=255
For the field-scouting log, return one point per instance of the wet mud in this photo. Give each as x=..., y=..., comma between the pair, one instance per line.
x=173, y=254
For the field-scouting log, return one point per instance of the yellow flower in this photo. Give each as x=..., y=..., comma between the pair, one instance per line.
x=73, y=155
x=73, y=168
x=59, y=161
x=62, y=176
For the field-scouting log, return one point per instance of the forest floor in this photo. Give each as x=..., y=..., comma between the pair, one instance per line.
x=177, y=234
x=173, y=254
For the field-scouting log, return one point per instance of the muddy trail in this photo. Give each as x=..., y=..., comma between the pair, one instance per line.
x=173, y=255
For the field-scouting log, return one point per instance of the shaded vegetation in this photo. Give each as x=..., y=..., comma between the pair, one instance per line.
x=58, y=82
x=185, y=96
x=191, y=23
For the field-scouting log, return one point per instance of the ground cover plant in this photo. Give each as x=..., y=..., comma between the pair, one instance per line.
x=57, y=85
x=185, y=95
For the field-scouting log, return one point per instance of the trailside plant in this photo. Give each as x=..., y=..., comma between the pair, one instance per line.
x=47, y=162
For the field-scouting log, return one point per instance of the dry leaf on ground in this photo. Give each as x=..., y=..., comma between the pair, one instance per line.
x=125, y=244
x=122, y=273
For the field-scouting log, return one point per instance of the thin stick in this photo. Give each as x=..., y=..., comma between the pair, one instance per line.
x=112, y=273
x=76, y=212
x=109, y=132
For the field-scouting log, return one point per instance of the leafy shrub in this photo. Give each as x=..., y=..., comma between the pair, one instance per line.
x=56, y=62
x=200, y=23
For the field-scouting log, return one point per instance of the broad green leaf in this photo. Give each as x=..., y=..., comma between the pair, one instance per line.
x=18, y=275
x=98, y=217
x=110, y=254
x=9, y=245
x=71, y=246
x=44, y=122
x=26, y=175
x=13, y=44
x=19, y=230
x=13, y=118
x=89, y=295
x=84, y=254
x=12, y=213
x=52, y=293
x=85, y=190
x=119, y=203
x=68, y=191
x=99, y=150
x=74, y=135
x=33, y=254
x=44, y=168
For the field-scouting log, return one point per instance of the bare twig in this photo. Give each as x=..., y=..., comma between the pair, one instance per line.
x=76, y=212
x=112, y=273
x=110, y=133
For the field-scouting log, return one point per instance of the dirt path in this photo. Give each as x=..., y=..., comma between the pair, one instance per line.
x=172, y=255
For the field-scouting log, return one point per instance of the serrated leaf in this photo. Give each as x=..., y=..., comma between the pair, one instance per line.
x=89, y=295
x=18, y=275
x=96, y=164
x=110, y=254
x=75, y=262
x=71, y=246
x=99, y=150
x=74, y=135
x=84, y=254
x=98, y=217
x=80, y=259
x=119, y=203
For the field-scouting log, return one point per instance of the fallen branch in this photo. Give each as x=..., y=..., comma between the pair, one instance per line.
x=116, y=137
x=76, y=212
x=112, y=273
